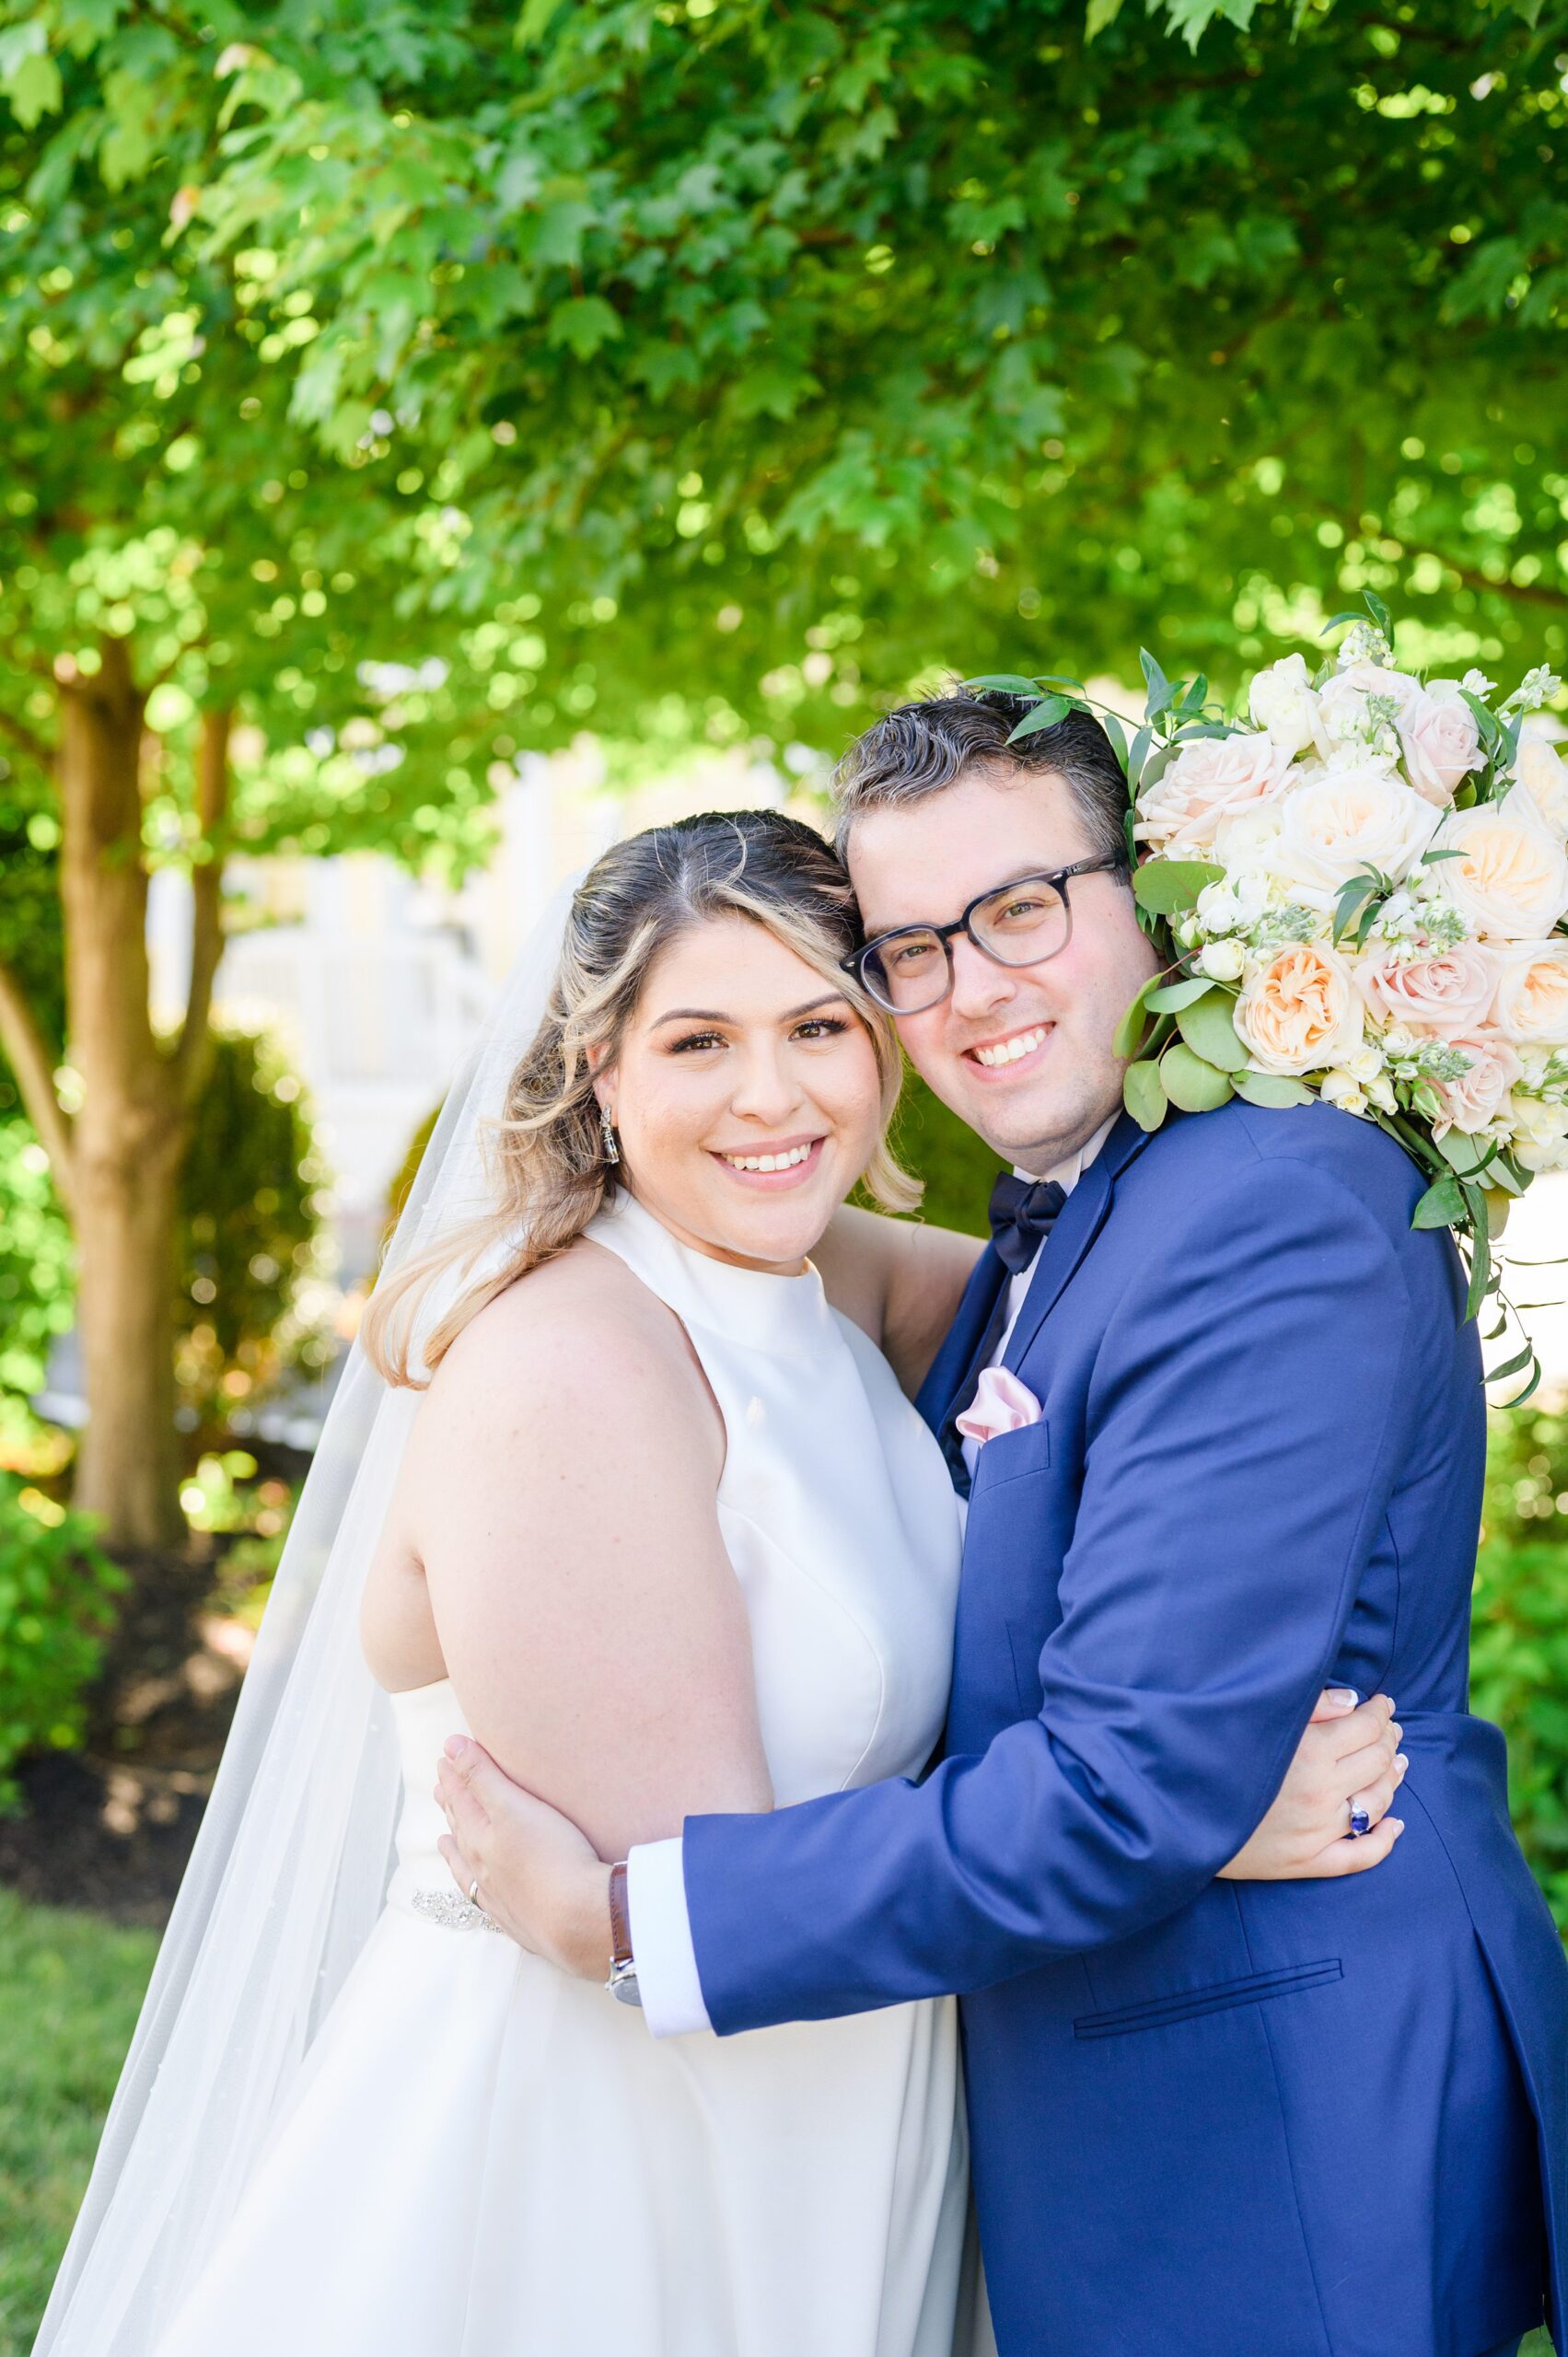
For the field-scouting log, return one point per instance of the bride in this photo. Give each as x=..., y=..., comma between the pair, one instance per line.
x=611, y=1484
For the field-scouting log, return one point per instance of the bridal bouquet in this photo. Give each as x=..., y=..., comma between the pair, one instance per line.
x=1361, y=886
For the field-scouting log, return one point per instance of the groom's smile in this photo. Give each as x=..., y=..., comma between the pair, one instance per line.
x=1022, y=1053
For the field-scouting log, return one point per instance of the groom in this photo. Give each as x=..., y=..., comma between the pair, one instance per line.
x=1241, y=1458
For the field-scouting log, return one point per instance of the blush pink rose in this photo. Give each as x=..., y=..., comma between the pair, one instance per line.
x=1447, y=993
x=1476, y=1097
x=1208, y=780
x=1442, y=744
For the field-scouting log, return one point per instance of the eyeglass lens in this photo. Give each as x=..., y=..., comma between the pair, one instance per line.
x=1016, y=927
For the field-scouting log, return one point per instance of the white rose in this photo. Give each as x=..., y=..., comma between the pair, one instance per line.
x=1217, y=910
x=1299, y=1010
x=1224, y=962
x=1543, y=774
x=1206, y=781
x=1540, y=1132
x=1281, y=701
x=1342, y=1089
x=1341, y=821
x=1512, y=881
x=1442, y=743
x=1475, y=1100
x=1341, y=701
x=1531, y=1004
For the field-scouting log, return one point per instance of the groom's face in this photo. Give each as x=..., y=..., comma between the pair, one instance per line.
x=922, y=863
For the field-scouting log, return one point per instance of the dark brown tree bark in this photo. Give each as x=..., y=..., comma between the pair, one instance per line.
x=117, y=1157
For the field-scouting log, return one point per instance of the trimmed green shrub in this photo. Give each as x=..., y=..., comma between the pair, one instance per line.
x=1519, y=1652
x=251, y=1198
x=57, y=1605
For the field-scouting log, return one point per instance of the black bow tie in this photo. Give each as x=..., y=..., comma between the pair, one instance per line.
x=1023, y=1212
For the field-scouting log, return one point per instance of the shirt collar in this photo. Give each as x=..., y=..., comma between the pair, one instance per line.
x=1068, y=1173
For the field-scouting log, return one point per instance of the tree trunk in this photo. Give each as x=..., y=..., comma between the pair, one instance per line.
x=130, y=1131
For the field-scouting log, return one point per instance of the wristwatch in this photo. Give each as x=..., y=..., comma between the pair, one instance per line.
x=622, y=1981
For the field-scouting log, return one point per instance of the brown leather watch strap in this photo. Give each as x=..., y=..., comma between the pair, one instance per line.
x=620, y=1917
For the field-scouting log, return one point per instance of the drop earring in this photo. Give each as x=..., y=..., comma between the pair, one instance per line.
x=612, y=1151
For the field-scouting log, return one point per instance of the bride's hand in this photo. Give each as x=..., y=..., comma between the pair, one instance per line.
x=1347, y=1758
x=527, y=1866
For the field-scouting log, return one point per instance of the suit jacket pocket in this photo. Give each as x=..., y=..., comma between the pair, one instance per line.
x=1187, y=2004
x=1008, y=1456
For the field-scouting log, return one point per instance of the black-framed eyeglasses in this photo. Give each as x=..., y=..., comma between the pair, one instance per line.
x=1018, y=923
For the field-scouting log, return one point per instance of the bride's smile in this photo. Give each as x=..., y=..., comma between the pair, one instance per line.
x=746, y=1095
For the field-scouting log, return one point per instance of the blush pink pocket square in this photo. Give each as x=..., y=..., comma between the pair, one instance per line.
x=1001, y=1404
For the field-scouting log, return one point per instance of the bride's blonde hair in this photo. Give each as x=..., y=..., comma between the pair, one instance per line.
x=546, y=1153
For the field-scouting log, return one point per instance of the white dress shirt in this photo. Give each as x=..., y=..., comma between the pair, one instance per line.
x=655, y=1871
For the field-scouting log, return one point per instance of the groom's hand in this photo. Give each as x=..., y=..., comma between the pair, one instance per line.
x=529, y=1868
x=1347, y=1761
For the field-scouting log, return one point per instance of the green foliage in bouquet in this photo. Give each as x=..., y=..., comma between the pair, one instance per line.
x=1399, y=953
x=57, y=1605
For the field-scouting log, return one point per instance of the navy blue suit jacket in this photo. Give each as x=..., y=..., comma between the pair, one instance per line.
x=1209, y=2119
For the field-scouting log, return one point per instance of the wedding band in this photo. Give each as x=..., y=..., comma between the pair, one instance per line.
x=473, y=1887
x=1359, y=1823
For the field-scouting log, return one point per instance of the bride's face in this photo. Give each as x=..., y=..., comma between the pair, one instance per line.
x=739, y=1053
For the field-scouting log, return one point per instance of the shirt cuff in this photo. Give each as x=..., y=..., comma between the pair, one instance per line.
x=667, y=1980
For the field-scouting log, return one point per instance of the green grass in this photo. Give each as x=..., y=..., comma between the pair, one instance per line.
x=70, y=1989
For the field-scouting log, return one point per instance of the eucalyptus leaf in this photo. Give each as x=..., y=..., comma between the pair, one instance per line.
x=1129, y=1031
x=1171, y=997
x=1379, y=613
x=1158, y=684
x=1006, y=683
x=1191, y=1082
x=1271, y=1090
x=1143, y=1093
x=1516, y=1365
x=1208, y=1025
x=1165, y=886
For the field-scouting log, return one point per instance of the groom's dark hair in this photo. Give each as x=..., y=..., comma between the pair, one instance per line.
x=920, y=747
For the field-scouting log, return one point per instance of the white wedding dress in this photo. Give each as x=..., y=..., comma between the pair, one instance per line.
x=484, y=2158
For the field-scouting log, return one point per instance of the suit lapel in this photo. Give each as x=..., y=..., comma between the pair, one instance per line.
x=939, y=1393
x=1082, y=1217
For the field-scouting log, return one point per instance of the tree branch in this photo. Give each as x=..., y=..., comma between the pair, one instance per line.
x=206, y=900
x=21, y=1036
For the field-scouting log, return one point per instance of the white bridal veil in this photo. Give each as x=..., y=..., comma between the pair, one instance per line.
x=289, y=1870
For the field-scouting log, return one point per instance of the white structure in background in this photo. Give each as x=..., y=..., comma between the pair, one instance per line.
x=375, y=984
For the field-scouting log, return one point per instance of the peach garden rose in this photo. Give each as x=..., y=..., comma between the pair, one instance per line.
x=1299, y=1011
x=1512, y=878
x=1531, y=1003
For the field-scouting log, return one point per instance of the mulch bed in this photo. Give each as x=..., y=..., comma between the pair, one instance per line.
x=102, y=1834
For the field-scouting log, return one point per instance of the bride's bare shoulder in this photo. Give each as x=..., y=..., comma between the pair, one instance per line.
x=580, y=1340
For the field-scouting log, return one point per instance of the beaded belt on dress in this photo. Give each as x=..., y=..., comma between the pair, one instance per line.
x=451, y=1910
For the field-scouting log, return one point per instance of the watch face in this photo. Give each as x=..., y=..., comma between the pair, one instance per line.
x=622, y=1983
